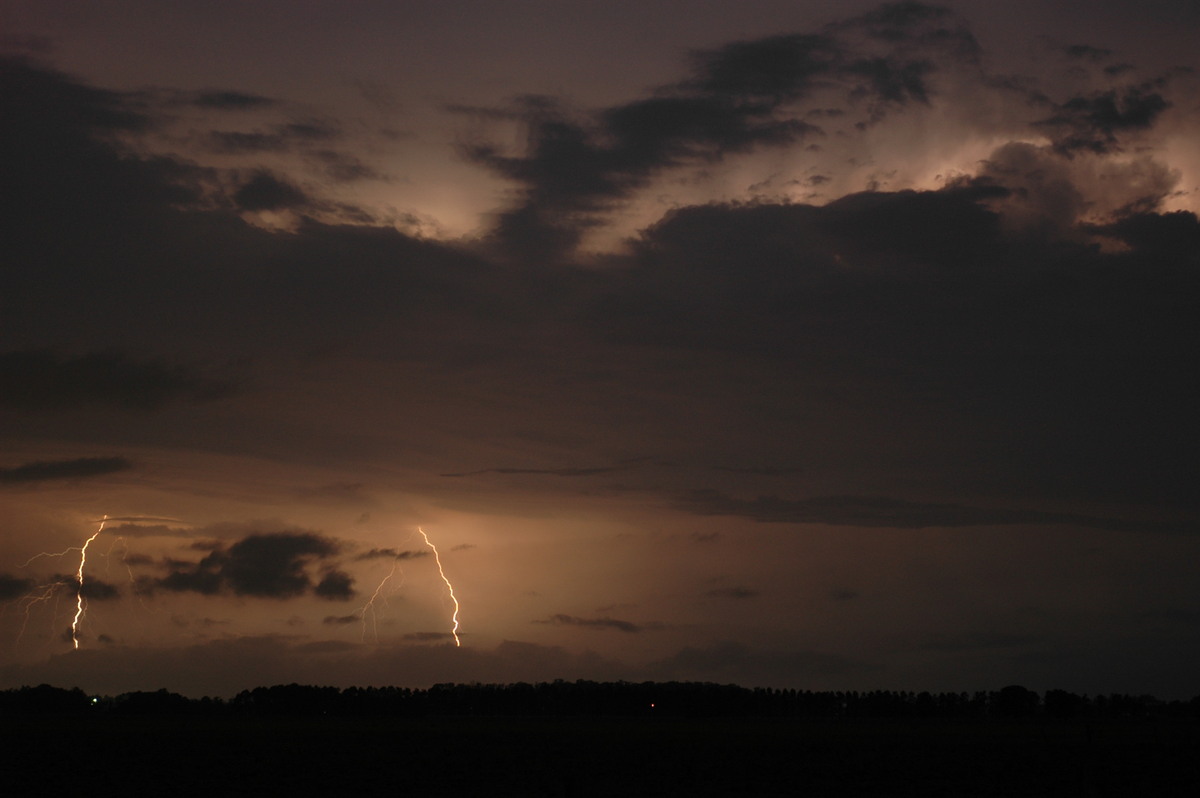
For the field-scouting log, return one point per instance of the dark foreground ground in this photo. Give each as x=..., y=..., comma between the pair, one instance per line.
x=590, y=756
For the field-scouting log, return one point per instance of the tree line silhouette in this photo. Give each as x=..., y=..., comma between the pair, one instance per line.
x=588, y=698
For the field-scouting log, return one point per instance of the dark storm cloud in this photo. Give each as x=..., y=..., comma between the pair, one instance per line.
x=1156, y=239
x=284, y=137
x=739, y=97
x=597, y=623
x=121, y=245
x=1074, y=360
x=94, y=589
x=231, y=100
x=340, y=620
x=736, y=592
x=335, y=586
x=1097, y=122
x=98, y=590
x=427, y=637
x=1076, y=356
x=573, y=171
x=875, y=511
x=1087, y=52
x=45, y=381
x=391, y=554
x=271, y=565
x=44, y=470
x=268, y=192
x=766, y=252
x=235, y=142
x=13, y=587
x=344, y=168
x=57, y=133
x=337, y=493
x=558, y=472
x=767, y=471
x=129, y=244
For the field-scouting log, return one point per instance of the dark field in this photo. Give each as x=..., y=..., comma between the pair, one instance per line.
x=597, y=756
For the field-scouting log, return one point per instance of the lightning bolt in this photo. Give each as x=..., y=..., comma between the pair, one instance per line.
x=80, y=603
x=438, y=559
x=370, y=605
x=26, y=602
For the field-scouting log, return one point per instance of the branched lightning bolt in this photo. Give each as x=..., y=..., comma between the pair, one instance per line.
x=80, y=603
x=370, y=605
x=438, y=559
x=48, y=591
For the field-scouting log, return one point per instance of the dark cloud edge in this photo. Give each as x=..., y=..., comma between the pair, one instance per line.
x=891, y=513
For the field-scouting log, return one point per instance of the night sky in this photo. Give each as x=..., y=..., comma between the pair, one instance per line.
x=791, y=344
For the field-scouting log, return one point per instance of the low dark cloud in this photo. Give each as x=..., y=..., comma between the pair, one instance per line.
x=98, y=590
x=64, y=132
x=736, y=592
x=1087, y=52
x=269, y=565
x=13, y=587
x=41, y=380
x=354, y=493
x=265, y=191
x=876, y=511
x=597, y=623
x=286, y=137
x=344, y=168
x=231, y=100
x=94, y=589
x=558, y=472
x=234, y=142
x=1097, y=122
x=392, y=554
x=765, y=471
x=79, y=468
x=335, y=586
x=341, y=620
x=428, y=637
